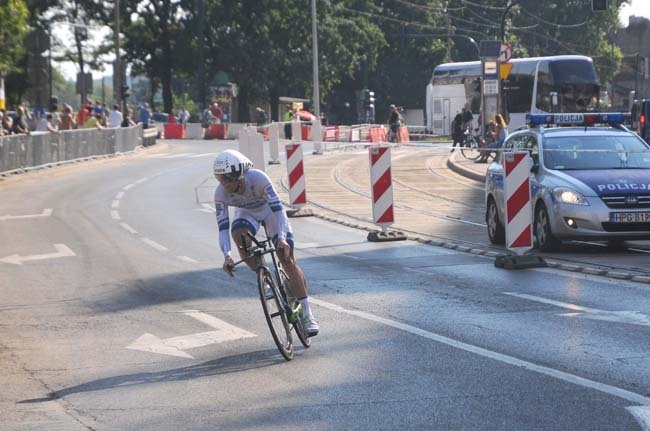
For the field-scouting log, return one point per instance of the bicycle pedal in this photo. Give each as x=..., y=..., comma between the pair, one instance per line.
x=294, y=315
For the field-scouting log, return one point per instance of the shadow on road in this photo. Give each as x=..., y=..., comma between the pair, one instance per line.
x=229, y=364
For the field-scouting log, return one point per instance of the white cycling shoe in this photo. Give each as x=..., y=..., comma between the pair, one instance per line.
x=311, y=326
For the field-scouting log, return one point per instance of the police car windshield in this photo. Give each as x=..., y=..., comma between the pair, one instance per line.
x=595, y=152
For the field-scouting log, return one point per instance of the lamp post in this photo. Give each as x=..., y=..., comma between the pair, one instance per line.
x=503, y=18
x=314, y=44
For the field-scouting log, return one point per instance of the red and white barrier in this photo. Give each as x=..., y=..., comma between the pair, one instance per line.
x=519, y=232
x=382, y=186
x=296, y=173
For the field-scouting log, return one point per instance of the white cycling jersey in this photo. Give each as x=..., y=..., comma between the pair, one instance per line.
x=259, y=202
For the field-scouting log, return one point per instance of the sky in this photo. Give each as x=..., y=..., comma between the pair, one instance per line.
x=636, y=7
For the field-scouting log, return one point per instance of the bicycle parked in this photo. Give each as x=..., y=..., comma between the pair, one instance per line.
x=282, y=310
x=474, y=146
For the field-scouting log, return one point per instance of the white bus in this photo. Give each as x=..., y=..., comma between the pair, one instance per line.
x=563, y=83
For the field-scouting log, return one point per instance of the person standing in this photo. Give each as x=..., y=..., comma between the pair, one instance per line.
x=19, y=126
x=457, y=131
x=183, y=116
x=115, y=117
x=288, y=117
x=394, y=123
x=45, y=124
x=468, y=117
x=145, y=116
x=500, y=134
x=67, y=120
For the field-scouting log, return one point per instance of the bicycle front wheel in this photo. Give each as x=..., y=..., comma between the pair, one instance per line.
x=275, y=313
x=294, y=304
x=470, y=149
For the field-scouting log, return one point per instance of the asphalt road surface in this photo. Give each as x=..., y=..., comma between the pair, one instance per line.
x=115, y=315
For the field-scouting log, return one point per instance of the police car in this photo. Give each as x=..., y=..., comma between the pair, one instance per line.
x=590, y=180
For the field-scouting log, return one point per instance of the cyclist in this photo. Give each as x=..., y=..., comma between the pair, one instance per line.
x=255, y=200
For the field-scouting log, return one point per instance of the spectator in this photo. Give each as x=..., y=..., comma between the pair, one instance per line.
x=145, y=116
x=67, y=120
x=56, y=118
x=394, y=123
x=457, y=131
x=2, y=129
x=84, y=114
x=500, y=134
x=217, y=113
x=260, y=117
x=45, y=124
x=468, y=117
x=94, y=122
x=171, y=118
x=115, y=117
x=20, y=123
x=98, y=108
x=7, y=122
x=127, y=121
x=288, y=117
x=206, y=120
x=183, y=116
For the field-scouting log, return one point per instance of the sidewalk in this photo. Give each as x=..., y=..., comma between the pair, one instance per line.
x=467, y=168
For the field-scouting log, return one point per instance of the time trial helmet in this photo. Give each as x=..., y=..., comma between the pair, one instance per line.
x=231, y=164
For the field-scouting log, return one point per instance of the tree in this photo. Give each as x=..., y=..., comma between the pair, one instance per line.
x=13, y=29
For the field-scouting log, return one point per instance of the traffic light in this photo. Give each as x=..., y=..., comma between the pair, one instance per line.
x=370, y=99
x=125, y=92
x=599, y=5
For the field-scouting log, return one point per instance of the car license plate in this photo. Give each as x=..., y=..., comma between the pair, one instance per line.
x=630, y=217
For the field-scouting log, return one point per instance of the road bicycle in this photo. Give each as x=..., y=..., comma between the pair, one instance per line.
x=473, y=146
x=281, y=308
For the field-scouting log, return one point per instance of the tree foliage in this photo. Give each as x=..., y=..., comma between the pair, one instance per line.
x=13, y=29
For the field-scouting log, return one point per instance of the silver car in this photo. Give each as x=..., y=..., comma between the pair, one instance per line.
x=587, y=182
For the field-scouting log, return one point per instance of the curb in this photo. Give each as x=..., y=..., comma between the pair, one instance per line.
x=461, y=170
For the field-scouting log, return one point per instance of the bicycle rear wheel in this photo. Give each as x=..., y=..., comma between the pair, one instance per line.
x=274, y=313
x=294, y=303
x=470, y=149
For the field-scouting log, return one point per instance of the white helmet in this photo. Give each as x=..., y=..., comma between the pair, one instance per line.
x=232, y=164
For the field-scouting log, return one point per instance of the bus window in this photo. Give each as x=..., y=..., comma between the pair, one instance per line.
x=544, y=88
x=518, y=88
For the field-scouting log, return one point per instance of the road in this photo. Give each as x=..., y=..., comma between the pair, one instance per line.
x=114, y=313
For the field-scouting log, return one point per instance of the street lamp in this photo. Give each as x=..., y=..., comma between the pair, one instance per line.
x=503, y=18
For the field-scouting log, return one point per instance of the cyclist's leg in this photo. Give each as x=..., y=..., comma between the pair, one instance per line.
x=241, y=225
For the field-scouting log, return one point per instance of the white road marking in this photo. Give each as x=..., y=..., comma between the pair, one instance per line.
x=141, y=180
x=62, y=250
x=46, y=213
x=154, y=244
x=115, y=203
x=187, y=259
x=176, y=156
x=561, y=375
x=120, y=195
x=642, y=416
x=202, y=155
x=115, y=215
x=128, y=228
x=128, y=186
x=175, y=346
x=630, y=317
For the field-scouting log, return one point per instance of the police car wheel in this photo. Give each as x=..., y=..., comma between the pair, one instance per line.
x=546, y=241
x=496, y=232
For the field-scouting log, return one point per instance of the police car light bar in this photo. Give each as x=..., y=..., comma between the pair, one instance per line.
x=578, y=119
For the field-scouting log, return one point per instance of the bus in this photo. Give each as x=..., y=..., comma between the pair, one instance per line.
x=562, y=83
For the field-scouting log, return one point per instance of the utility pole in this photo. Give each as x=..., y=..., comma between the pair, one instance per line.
x=117, y=70
x=314, y=44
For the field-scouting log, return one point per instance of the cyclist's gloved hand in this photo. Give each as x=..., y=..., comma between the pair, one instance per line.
x=283, y=248
x=229, y=266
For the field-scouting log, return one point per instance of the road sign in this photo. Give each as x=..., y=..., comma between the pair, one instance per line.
x=506, y=53
x=504, y=70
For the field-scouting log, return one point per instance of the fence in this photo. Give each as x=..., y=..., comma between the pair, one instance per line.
x=22, y=152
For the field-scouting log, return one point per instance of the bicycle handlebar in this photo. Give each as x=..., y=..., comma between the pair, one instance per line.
x=261, y=248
